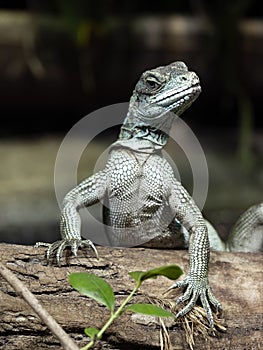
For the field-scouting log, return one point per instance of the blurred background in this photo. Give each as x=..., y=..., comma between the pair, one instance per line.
x=62, y=59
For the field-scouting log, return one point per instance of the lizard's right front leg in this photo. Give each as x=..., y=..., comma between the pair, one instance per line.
x=196, y=282
x=87, y=193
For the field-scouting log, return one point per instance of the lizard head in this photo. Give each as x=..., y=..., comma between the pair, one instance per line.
x=167, y=88
x=160, y=95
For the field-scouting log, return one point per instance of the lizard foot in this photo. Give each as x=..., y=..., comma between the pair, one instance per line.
x=195, y=289
x=61, y=245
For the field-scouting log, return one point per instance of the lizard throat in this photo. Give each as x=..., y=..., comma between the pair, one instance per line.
x=154, y=135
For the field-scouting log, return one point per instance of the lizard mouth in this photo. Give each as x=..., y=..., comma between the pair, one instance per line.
x=175, y=98
x=173, y=101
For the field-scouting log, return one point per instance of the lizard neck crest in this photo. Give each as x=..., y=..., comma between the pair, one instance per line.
x=159, y=96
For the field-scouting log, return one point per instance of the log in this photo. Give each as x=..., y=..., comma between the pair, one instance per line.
x=236, y=279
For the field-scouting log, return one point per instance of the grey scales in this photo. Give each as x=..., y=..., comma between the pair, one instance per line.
x=142, y=199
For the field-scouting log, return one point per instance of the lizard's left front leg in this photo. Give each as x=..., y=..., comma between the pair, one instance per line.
x=196, y=282
x=87, y=193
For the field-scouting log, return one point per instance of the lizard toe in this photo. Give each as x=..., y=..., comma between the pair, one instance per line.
x=74, y=247
x=207, y=308
x=62, y=246
x=41, y=244
x=179, y=284
x=51, y=249
x=187, y=295
x=188, y=307
x=89, y=243
x=213, y=300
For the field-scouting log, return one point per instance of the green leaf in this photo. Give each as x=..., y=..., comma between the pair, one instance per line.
x=170, y=271
x=91, y=332
x=136, y=275
x=94, y=287
x=149, y=309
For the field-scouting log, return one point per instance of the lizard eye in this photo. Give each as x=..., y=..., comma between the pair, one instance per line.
x=152, y=83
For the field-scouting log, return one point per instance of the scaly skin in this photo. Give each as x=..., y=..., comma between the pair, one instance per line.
x=143, y=202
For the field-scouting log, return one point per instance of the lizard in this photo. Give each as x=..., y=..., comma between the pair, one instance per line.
x=142, y=200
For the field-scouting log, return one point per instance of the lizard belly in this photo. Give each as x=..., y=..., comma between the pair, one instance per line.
x=136, y=208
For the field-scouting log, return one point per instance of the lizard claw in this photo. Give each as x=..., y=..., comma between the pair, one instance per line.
x=61, y=245
x=194, y=290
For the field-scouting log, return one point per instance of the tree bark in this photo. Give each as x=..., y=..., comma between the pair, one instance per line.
x=236, y=279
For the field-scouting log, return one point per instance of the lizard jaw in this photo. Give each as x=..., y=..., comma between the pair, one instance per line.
x=172, y=101
x=177, y=102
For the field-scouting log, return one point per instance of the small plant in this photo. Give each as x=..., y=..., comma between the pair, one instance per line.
x=97, y=288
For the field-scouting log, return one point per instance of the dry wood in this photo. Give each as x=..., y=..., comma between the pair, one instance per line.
x=236, y=279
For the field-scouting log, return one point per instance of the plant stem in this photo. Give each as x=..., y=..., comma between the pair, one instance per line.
x=22, y=290
x=115, y=315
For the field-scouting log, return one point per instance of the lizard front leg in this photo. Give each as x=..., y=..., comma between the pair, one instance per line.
x=196, y=282
x=87, y=193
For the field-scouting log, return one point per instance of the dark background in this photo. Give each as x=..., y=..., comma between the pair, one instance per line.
x=71, y=57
